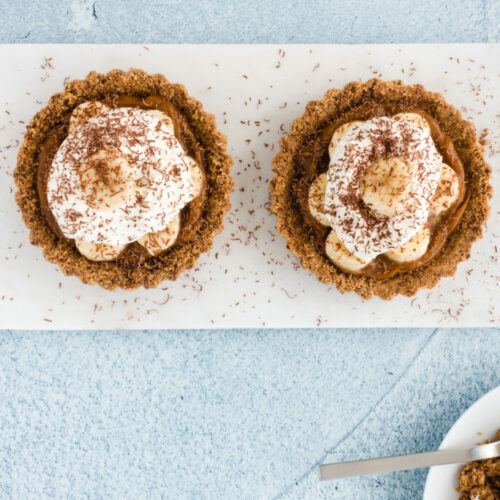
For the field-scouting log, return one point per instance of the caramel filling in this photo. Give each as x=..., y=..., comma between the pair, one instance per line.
x=191, y=214
x=313, y=160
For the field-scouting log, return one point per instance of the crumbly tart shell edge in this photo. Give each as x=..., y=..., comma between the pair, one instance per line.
x=63, y=253
x=290, y=223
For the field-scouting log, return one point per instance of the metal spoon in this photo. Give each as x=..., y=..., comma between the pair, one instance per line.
x=404, y=462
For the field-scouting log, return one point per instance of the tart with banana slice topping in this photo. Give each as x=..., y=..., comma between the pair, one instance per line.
x=380, y=188
x=123, y=179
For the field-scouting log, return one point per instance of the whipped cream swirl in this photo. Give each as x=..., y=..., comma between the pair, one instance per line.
x=118, y=176
x=365, y=231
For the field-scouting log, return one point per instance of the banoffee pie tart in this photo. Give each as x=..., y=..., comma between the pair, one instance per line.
x=123, y=179
x=380, y=188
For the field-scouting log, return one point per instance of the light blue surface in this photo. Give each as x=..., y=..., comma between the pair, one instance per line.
x=262, y=21
x=233, y=414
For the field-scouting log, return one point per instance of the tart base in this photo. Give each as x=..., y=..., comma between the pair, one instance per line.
x=182, y=256
x=292, y=223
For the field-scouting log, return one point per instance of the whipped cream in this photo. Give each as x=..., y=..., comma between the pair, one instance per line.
x=118, y=176
x=406, y=156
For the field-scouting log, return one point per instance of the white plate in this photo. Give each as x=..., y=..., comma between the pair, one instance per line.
x=478, y=423
x=255, y=91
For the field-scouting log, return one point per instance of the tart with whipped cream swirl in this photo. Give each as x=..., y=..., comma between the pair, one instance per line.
x=123, y=179
x=380, y=188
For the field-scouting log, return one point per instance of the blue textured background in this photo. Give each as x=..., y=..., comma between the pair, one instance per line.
x=229, y=414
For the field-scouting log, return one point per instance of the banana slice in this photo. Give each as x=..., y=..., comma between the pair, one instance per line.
x=107, y=180
x=412, y=118
x=340, y=255
x=197, y=176
x=385, y=186
x=413, y=249
x=98, y=252
x=85, y=111
x=317, y=200
x=337, y=135
x=156, y=243
x=447, y=191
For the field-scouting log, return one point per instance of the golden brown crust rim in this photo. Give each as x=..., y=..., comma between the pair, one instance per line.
x=111, y=275
x=335, y=102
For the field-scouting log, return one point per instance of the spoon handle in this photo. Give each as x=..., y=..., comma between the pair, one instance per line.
x=404, y=462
